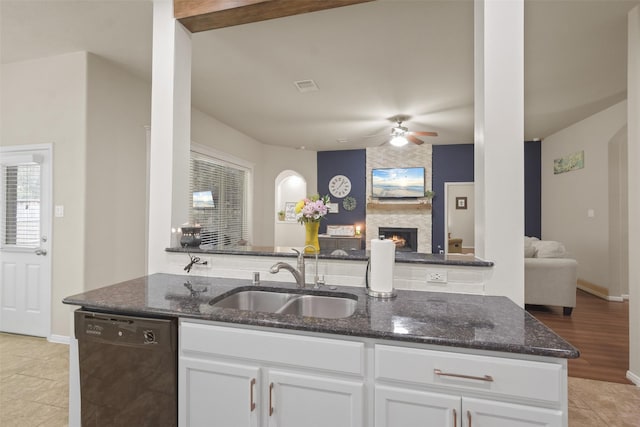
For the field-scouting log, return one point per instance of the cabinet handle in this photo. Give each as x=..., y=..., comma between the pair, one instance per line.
x=252, y=403
x=469, y=418
x=439, y=373
x=270, y=399
x=455, y=418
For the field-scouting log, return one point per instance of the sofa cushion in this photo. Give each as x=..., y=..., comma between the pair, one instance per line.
x=529, y=249
x=549, y=249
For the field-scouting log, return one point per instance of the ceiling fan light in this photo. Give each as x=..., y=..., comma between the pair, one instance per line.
x=398, y=141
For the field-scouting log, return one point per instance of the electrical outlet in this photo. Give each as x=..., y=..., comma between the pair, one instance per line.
x=437, y=277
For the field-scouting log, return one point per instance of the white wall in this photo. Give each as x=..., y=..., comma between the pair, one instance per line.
x=269, y=162
x=460, y=222
x=94, y=115
x=118, y=108
x=43, y=101
x=633, y=93
x=498, y=159
x=618, y=216
x=567, y=197
x=290, y=187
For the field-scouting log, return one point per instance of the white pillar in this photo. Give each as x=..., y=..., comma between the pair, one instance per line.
x=170, y=130
x=633, y=127
x=499, y=143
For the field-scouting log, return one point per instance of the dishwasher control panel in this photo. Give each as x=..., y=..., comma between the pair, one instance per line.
x=124, y=330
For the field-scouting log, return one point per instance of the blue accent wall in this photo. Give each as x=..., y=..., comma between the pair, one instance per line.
x=532, y=189
x=451, y=163
x=352, y=164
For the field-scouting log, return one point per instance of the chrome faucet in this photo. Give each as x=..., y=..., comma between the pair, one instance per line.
x=299, y=273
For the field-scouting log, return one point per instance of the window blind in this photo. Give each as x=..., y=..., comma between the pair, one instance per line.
x=218, y=200
x=21, y=205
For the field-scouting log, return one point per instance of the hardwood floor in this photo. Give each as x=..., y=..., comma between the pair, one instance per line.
x=599, y=329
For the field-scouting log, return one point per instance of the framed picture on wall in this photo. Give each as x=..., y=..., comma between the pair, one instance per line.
x=461, y=203
x=290, y=211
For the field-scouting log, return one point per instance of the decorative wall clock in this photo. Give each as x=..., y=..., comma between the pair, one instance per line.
x=339, y=186
x=349, y=203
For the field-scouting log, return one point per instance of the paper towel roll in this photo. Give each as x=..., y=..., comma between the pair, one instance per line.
x=383, y=258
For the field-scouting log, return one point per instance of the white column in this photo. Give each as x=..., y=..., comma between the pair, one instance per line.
x=633, y=127
x=499, y=143
x=170, y=130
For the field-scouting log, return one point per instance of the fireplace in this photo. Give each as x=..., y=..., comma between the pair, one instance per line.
x=405, y=239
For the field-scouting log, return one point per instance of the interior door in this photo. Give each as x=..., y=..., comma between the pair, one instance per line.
x=25, y=266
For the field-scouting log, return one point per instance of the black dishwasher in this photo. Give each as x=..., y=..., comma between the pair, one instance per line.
x=128, y=369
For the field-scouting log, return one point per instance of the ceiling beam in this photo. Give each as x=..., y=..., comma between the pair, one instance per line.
x=203, y=15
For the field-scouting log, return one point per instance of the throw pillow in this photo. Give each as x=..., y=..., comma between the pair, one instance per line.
x=529, y=249
x=549, y=249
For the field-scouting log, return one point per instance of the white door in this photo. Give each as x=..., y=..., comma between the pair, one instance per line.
x=25, y=266
x=486, y=413
x=296, y=400
x=397, y=407
x=217, y=393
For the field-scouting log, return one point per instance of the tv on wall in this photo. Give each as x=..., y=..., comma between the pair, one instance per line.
x=398, y=183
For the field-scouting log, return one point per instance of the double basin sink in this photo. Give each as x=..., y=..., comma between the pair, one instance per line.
x=286, y=301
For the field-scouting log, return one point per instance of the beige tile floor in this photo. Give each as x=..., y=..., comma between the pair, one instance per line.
x=34, y=389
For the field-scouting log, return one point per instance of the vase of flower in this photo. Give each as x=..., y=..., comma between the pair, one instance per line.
x=309, y=212
x=311, y=237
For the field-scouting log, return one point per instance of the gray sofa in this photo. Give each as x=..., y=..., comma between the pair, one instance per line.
x=550, y=276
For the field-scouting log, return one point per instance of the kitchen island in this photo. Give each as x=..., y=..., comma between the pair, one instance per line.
x=442, y=356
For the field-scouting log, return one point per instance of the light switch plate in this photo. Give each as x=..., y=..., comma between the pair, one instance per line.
x=59, y=211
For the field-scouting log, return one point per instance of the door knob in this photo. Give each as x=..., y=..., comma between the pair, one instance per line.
x=42, y=252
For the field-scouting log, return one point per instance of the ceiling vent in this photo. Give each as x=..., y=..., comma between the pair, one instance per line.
x=306, y=86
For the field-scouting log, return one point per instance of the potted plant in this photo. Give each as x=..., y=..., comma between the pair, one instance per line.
x=281, y=215
x=429, y=195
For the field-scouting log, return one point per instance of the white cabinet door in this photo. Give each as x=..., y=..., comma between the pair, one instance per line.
x=221, y=394
x=296, y=400
x=396, y=407
x=486, y=413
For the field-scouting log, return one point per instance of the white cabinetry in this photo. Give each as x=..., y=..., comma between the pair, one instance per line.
x=216, y=393
x=238, y=377
x=412, y=408
x=313, y=401
x=464, y=390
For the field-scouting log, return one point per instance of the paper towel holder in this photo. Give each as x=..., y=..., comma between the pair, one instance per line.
x=376, y=294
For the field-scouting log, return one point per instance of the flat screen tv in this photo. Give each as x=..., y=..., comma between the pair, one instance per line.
x=399, y=183
x=203, y=199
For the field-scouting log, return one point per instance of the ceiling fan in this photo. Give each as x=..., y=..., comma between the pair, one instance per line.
x=400, y=135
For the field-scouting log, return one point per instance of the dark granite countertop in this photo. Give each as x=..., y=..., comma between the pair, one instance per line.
x=340, y=254
x=446, y=319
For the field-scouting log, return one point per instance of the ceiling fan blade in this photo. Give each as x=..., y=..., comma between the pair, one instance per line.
x=425, y=133
x=414, y=139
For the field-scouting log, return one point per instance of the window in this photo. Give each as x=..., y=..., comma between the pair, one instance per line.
x=218, y=200
x=21, y=205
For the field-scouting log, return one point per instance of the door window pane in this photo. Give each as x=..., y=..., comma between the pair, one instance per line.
x=21, y=207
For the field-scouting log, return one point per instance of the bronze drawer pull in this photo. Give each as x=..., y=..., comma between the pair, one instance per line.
x=270, y=399
x=439, y=373
x=455, y=418
x=252, y=403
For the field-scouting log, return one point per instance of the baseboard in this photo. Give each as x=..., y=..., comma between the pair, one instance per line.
x=59, y=339
x=633, y=378
x=625, y=297
x=598, y=291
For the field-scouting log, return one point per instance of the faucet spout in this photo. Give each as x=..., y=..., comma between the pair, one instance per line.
x=275, y=268
x=299, y=274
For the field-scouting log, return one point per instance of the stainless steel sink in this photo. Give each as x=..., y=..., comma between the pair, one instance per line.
x=320, y=306
x=264, y=301
x=301, y=304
